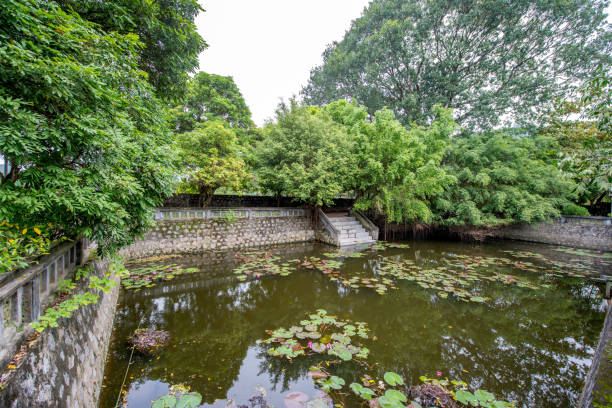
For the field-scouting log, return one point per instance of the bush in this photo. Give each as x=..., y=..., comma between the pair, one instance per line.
x=573, y=209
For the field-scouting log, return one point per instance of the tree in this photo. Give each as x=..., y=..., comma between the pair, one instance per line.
x=489, y=60
x=86, y=137
x=500, y=180
x=586, y=142
x=212, y=97
x=166, y=28
x=209, y=158
x=304, y=155
x=397, y=170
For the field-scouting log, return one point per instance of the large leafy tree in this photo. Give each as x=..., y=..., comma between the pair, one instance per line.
x=583, y=131
x=489, y=60
x=211, y=97
x=501, y=179
x=166, y=28
x=304, y=155
x=210, y=158
x=397, y=170
x=80, y=124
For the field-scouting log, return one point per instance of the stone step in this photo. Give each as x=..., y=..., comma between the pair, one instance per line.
x=361, y=236
x=351, y=228
x=347, y=226
x=351, y=231
x=350, y=242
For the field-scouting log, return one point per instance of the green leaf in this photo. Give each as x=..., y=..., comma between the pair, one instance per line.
x=393, y=379
x=166, y=401
x=466, y=398
x=190, y=400
x=484, y=396
x=396, y=395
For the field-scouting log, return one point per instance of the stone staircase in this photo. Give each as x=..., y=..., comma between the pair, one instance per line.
x=351, y=232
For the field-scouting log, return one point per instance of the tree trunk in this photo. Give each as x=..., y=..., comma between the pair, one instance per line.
x=206, y=196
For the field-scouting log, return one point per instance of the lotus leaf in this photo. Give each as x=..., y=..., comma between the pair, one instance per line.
x=393, y=379
x=362, y=391
x=190, y=400
x=166, y=401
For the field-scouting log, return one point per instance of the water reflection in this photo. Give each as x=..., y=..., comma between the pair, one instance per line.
x=533, y=346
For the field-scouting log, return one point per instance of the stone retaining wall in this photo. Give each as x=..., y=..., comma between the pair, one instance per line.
x=198, y=235
x=593, y=233
x=65, y=367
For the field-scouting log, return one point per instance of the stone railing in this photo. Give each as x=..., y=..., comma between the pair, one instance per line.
x=330, y=234
x=225, y=213
x=366, y=223
x=23, y=292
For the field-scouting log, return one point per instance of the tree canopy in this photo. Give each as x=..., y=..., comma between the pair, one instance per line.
x=490, y=60
x=87, y=138
x=166, y=28
x=499, y=180
x=583, y=131
x=396, y=170
x=209, y=158
x=304, y=155
x=211, y=97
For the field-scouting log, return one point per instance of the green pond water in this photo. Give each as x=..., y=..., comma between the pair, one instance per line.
x=518, y=320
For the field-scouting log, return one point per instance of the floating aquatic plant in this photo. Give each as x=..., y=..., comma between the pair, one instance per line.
x=319, y=334
x=148, y=276
x=459, y=391
x=179, y=397
x=257, y=264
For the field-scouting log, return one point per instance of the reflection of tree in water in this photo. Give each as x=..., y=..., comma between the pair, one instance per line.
x=283, y=372
x=515, y=348
x=530, y=345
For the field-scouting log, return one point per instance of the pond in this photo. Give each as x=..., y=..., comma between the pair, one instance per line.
x=518, y=320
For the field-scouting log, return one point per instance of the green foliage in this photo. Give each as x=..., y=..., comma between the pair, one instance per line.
x=586, y=143
x=210, y=158
x=331, y=383
x=486, y=59
x=72, y=303
x=80, y=124
x=166, y=28
x=393, y=379
x=179, y=397
x=148, y=276
x=459, y=391
x=304, y=155
x=362, y=391
x=215, y=97
x=20, y=246
x=396, y=170
x=64, y=309
x=573, y=209
x=500, y=180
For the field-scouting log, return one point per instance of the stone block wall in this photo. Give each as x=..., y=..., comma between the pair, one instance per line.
x=577, y=232
x=197, y=235
x=65, y=367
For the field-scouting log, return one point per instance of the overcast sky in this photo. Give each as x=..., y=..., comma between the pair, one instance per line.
x=270, y=46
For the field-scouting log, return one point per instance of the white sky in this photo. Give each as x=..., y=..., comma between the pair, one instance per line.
x=270, y=46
